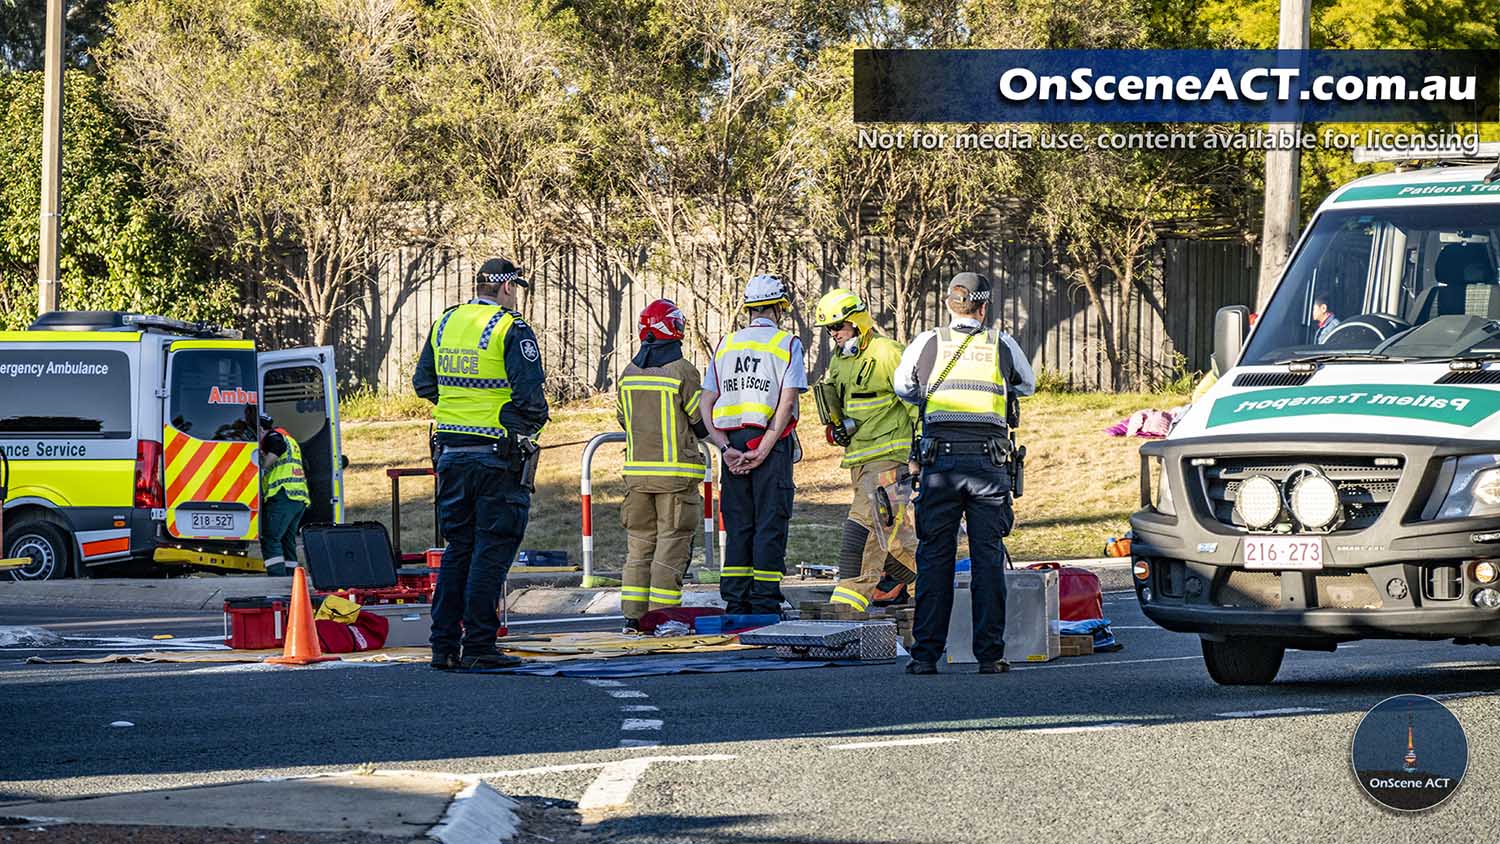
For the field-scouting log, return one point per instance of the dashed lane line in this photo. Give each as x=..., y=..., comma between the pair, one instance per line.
x=626, y=693
x=639, y=707
x=1264, y=713
x=637, y=724
x=911, y=742
x=1084, y=728
x=605, y=684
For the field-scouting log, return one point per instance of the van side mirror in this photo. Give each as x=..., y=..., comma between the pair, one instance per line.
x=1230, y=325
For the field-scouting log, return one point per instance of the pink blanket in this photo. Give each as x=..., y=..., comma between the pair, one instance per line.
x=1151, y=424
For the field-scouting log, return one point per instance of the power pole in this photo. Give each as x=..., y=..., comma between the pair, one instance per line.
x=1283, y=183
x=52, y=93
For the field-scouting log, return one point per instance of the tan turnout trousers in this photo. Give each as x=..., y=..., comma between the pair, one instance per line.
x=659, y=528
x=856, y=591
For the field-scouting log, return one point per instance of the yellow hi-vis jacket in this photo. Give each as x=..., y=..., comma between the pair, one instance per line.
x=469, y=353
x=750, y=364
x=287, y=476
x=973, y=391
x=885, y=425
x=657, y=407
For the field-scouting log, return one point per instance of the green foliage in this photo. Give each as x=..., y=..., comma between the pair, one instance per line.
x=367, y=404
x=119, y=246
x=1054, y=381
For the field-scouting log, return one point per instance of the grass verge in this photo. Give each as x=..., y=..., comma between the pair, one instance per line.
x=1081, y=484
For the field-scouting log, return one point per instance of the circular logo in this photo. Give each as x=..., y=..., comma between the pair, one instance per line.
x=528, y=350
x=1409, y=753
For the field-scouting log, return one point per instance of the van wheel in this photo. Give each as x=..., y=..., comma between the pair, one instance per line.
x=1242, y=662
x=45, y=542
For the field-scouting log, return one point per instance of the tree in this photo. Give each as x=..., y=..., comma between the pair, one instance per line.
x=284, y=129
x=23, y=32
x=120, y=247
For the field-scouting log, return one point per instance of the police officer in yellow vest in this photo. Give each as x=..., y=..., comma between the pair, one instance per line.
x=963, y=378
x=284, y=497
x=750, y=396
x=875, y=430
x=482, y=367
x=658, y=408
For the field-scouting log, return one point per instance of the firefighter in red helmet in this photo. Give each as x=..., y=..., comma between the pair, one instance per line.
x=658, y=408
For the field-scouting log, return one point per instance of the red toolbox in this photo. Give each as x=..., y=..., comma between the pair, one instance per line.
x=1078, y=591
x=420, y=578
x=255, y=623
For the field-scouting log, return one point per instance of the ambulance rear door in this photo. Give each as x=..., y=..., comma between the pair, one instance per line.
x=211, y=442
x=299, y=390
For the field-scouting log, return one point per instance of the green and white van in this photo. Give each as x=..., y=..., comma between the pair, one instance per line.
x=1341, y=480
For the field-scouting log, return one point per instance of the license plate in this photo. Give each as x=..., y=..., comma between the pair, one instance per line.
x=218, y=523
x=1281, y=553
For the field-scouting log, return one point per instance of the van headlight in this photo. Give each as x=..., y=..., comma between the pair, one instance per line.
x=1160, y=489
x=1475, y=488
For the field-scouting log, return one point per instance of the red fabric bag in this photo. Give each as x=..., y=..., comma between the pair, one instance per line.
x=367, y=633
x=1079, y=595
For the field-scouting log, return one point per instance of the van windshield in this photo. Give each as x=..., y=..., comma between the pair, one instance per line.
x=1415, y=283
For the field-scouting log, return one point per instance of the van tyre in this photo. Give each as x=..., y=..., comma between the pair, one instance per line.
x=46, y=542
x=1242, y=662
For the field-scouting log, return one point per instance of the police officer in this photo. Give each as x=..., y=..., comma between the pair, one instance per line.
x=750, y=397
x=482, y=367
x=658, y=406
x=963, y=378
x=876, y=433
x=284, y=497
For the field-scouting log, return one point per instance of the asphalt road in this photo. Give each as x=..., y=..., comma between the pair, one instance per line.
x=1133, y=746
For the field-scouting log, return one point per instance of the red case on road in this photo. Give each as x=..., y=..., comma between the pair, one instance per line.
x=1078, y=592
x=254, y=624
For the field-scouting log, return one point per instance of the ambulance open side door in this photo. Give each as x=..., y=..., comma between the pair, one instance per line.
x=299, y=390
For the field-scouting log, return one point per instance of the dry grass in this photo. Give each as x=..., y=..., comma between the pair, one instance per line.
x=1081, y=484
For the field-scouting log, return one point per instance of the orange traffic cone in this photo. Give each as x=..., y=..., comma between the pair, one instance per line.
x=301, y=633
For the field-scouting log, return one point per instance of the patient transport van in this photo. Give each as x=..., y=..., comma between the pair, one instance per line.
x=134, y=438
x=1341, y=480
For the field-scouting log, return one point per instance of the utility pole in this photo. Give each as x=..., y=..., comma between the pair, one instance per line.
x=52, y=93
x=1283, y=182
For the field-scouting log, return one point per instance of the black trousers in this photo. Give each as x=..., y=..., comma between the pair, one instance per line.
x=483, y=510
x=757, y=510
x=973, y=487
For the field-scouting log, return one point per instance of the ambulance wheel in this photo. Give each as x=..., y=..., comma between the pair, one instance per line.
x=47, y=544
x=1243, y=662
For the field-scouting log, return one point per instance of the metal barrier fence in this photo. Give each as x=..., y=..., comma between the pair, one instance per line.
x=586, y=496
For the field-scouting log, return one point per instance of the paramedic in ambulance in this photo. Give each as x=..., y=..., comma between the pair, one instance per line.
x=657, y=406
x=284, y=497
x=483, y=369
x=963, y=378
x=750, y=394
x=1324, y=318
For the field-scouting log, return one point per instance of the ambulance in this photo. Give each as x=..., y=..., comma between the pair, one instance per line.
x=132, y=439
x=1341, y=479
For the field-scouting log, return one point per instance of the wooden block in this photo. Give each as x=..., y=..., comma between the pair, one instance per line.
x=1077, y=645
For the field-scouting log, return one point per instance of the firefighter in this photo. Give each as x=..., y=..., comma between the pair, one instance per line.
x=875, y=430
x=964, y=378
x=483, y=369
x=750, y=397
x=658, y=408
x=283, y=495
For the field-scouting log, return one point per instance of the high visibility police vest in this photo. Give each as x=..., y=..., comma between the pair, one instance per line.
x=973, y=391
x=659, y=442
x=287, y=476
x=468, y=348
x=884, y=424
x=750, y=364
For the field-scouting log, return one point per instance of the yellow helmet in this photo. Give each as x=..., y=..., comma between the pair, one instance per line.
x=841, y=305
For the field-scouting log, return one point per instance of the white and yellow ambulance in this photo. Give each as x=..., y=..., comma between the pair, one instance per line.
x=134, y=438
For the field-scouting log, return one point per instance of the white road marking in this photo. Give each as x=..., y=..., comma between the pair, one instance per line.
x=605, y=684
x=626, y=693
x=632, y=742
x=544, y=769
x=633, y=724
x=576, y=620
x=1261, y=713
x=639, y=707
x=867, y=745
x=618, y=779
x=1101, y=663
x=1457, y=695
x=1086, y=728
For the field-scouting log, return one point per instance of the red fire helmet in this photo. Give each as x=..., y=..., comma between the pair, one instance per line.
x=662, y=320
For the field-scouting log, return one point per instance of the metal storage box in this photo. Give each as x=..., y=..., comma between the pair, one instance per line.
x=1032, y=623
